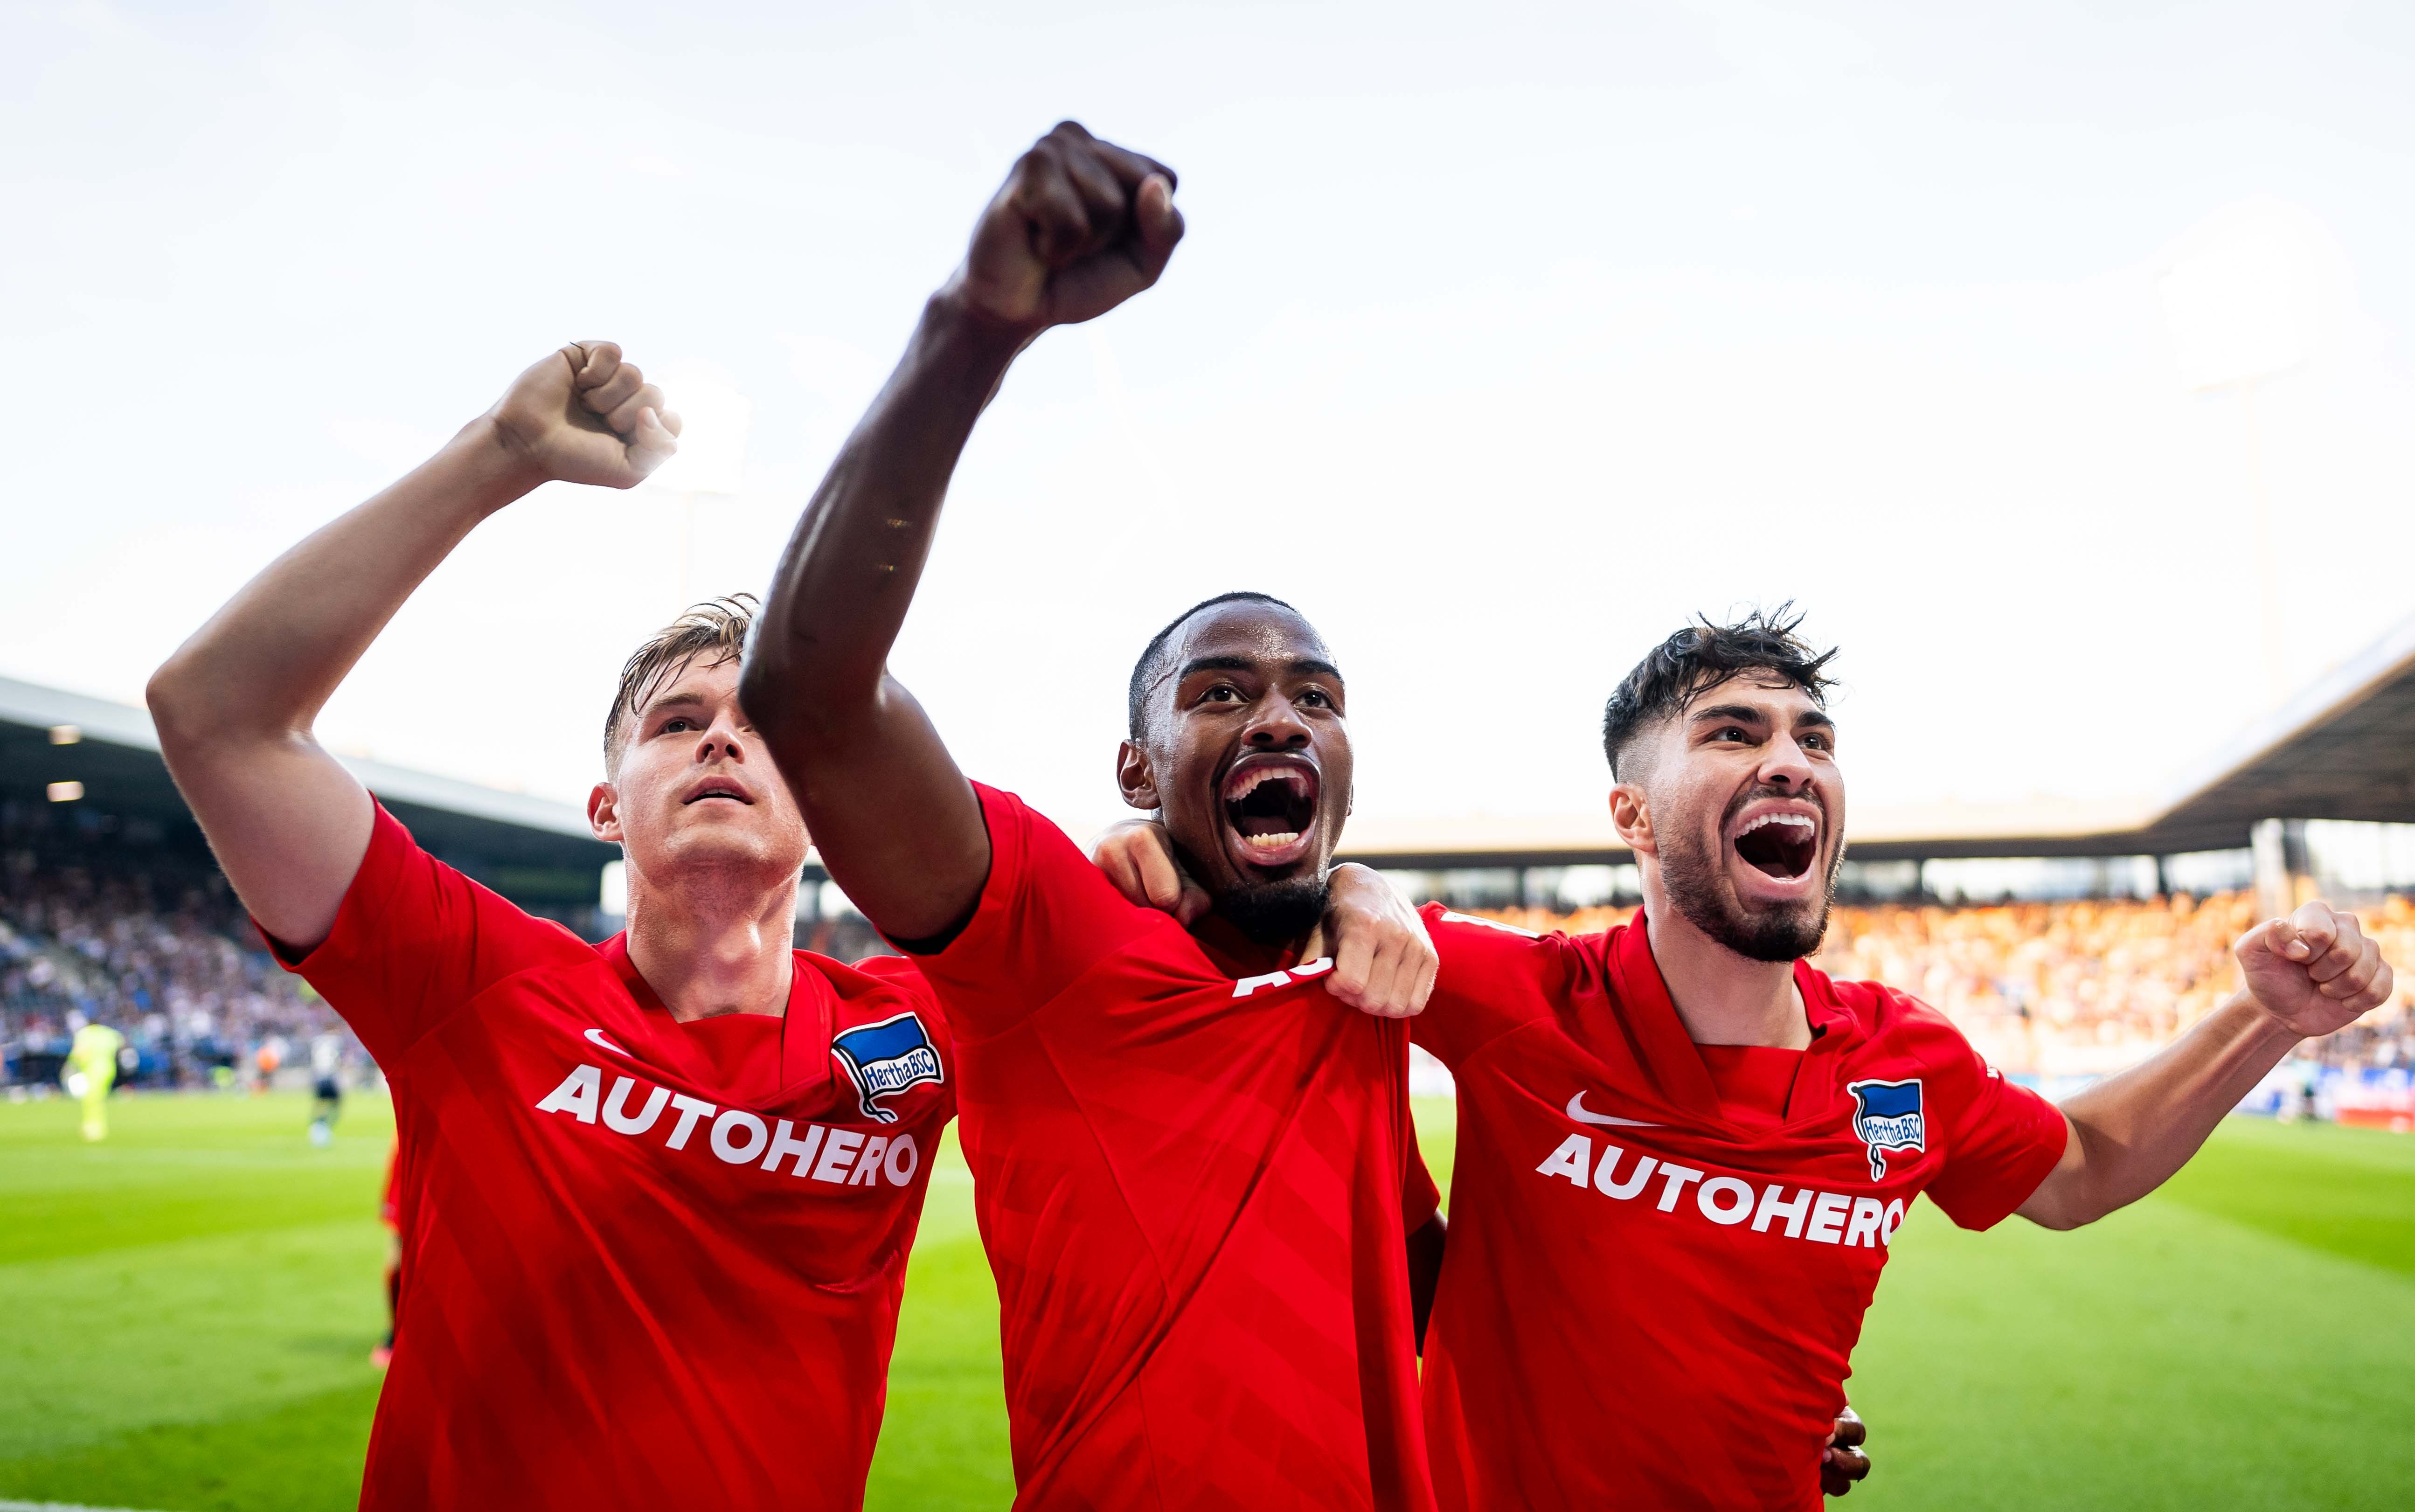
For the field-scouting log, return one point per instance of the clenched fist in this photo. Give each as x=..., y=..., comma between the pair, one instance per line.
x=1080, y=226
x=583, y=415
x=2314, y=971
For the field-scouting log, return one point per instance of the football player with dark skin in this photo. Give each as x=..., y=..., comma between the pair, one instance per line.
x=1239, y=736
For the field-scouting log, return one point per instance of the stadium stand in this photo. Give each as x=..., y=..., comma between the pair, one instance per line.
x=112, y=911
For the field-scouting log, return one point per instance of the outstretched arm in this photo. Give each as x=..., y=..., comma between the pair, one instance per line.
x=1079, y=227
x=235, y=704
x=2307, y=975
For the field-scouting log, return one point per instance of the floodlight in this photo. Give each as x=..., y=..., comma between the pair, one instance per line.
x=65, y=792
x=65, y=735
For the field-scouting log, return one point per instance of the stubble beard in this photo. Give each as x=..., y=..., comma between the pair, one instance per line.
x=1277, y=913
x=1695, y=886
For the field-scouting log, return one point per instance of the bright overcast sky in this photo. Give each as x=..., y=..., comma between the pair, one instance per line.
x=1503, y=338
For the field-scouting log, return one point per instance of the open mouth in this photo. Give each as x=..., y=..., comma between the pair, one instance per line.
x=1783, y=845
x=733, y=794
x=1270, y=807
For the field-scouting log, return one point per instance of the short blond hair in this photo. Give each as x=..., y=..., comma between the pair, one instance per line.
x=715, y=629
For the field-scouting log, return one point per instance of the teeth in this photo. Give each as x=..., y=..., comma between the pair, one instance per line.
x=1251, y=780
x=1272, y=842
x=1799, y=821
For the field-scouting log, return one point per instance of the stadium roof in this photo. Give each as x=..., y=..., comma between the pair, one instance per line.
x=532, y=849
x=2344, y=748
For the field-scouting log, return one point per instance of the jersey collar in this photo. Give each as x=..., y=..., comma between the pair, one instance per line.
x=805, y=1028
x=1668, y=1052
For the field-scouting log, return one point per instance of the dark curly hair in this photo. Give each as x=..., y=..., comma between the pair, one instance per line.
x=1702, y=657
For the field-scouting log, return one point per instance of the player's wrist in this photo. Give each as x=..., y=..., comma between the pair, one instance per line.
x=954, y=321
x=489, y=465
x=2264, y=1028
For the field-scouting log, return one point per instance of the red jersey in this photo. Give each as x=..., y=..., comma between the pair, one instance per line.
x=1648, y=1300
x=651, y=1264
x=1194, y=1170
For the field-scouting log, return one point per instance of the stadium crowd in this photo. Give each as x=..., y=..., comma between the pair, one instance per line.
x=2071, y=989
x=164, y=955
x=162, y=952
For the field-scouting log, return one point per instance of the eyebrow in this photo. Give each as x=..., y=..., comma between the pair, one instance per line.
x=1302, y=665
x=676, y=698
x=1748, y=714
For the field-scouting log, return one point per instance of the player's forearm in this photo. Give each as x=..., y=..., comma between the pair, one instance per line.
x=816, y=663
x=265, y=664
x=2135, y=1129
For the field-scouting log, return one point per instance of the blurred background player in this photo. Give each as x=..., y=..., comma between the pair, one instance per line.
x=265, y=1063
x=92, y=1072
x=326, y=1088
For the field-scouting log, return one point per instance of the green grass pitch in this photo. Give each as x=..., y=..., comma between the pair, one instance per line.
x=186, y=1313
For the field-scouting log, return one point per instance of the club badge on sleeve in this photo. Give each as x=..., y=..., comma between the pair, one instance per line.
x=885, y=1059
x=1887, y=1117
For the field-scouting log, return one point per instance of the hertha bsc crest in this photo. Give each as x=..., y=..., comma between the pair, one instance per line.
x=885, y=1059
x=1887, y=1116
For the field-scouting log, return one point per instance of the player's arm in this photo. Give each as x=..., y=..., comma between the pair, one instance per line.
x=235, y=706
x=1384, y=961
x=2306, y=976
x=1079, y=227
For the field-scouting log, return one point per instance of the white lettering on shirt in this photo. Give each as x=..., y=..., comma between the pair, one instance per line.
x=848, y=1157
x=616, y=1116
x=838, y=1155
x=1833, y=1217
x=577, y=1096
x=785, y=1143
x=1678, y=1177
x=691, y=1109
x=1864, y=1230
x=867, y=1165
x=1301, y=972
x=1635, y=1179
x=1570, y=1160
x=1792, y=1212
x=1721, y=1212
x=727, y=1148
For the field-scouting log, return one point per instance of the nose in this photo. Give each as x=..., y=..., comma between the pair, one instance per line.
x=723, y=739
x=1786, y=767
x=1275, y=725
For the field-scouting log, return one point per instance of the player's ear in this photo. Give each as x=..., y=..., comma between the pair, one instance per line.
x=1630, y=814
x=1136, y=777
x=604, y=813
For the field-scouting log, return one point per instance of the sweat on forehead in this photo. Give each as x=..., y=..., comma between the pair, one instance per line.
x=1156, y=664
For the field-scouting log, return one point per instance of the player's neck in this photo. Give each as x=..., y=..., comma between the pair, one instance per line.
x=1721, y=998
x=710, y=951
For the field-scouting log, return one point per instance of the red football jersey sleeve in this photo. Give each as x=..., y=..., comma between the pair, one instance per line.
x=2005, y=1142
x=1190, y=1167
x=647, y=1264
x=415, y=939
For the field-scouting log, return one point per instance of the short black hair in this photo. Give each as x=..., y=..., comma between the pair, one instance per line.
x=1145, y=669
x=1702, y=657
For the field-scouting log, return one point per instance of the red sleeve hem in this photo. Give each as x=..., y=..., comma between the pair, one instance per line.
x=2044, y=1135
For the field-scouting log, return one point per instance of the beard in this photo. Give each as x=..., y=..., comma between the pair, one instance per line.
x=1276, y=913
x=1692, y=877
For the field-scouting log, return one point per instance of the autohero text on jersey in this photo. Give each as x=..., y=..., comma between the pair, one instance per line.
x=841, y=1156
x=1806, y=1214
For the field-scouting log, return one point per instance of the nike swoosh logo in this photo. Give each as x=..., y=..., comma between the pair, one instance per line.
x=1577, y=1111
x=596, y=1036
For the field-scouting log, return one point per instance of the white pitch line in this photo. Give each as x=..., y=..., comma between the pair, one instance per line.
x=57, y=1506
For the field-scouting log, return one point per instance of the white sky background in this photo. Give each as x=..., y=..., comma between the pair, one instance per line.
x=1503, y=338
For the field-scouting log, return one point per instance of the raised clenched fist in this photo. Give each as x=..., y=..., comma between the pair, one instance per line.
x=1080, y=226
x=584, y=415
x=2314, y=971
